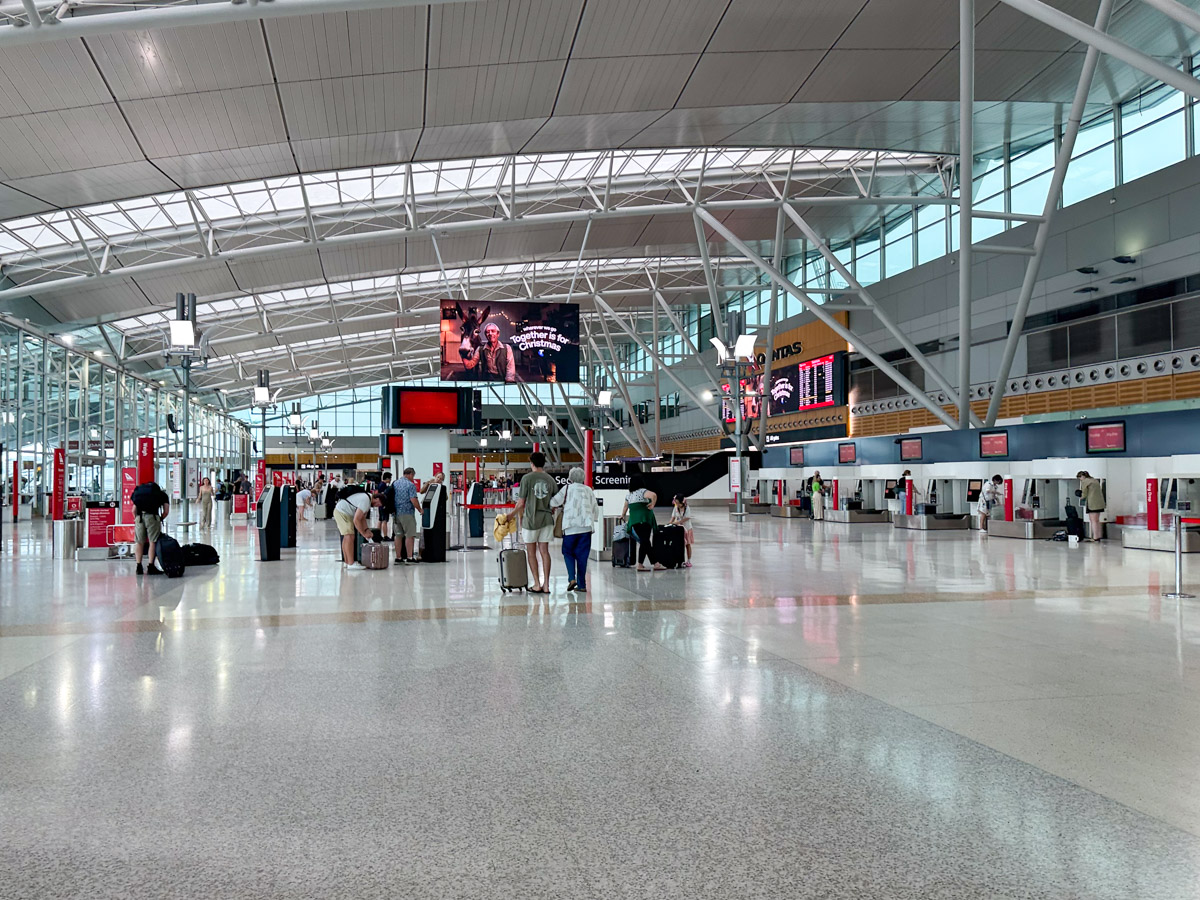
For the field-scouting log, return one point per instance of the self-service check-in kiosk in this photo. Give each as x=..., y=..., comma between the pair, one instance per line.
x=861, y=501
x=287, y=515
x=434, y=527
x=1041, y=507
x=940, y=504
x=269, y=516
x=475, y=497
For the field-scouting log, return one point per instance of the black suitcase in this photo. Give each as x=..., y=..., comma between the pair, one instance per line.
x=853, y=504
x=622, y=553
x=668, y=545
x=200, y=555
x=169, y=555
x=925, y=509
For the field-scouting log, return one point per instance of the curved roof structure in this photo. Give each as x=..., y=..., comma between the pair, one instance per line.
x=302, y=164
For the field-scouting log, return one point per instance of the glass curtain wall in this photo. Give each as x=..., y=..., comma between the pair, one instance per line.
x=54, y=396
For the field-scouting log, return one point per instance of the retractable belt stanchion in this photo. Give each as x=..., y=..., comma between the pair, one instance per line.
x=1178, y=593
x=469, y=506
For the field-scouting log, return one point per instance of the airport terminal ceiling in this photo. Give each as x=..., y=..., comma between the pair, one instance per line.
x=319, y=180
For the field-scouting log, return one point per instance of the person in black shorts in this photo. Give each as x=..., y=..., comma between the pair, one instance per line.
x=387, y=491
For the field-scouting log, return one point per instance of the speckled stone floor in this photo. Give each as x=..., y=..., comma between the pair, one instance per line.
x=822, y=711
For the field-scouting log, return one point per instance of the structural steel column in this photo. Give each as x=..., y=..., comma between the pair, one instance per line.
x=966, y=166
x=1033, y=267
x=773, y=317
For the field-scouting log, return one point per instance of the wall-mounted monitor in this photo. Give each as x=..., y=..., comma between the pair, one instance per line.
x=848, y=453
x=427, y=408
x=528, y=342
x=812, y=384
x=796, y=456
x=391, y=445
x=889, y=489
x=1106, y=437
x=993, y=444
x=910, y=449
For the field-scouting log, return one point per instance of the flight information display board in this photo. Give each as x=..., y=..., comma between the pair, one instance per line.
x=812, y=384
x=1108, y=437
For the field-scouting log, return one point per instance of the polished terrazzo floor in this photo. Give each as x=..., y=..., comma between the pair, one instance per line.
x=823, y=710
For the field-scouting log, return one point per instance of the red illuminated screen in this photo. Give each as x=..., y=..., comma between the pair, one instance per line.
x=796, y=456
x=847, y=453
x=994, y=444
x=1107, y=438
x=395, y=445
x=910, y=448
x=429, y=408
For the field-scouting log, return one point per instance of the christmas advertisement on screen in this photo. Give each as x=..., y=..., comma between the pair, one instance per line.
x=528, y=342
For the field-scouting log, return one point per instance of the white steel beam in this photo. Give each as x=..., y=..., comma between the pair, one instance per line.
x=836, y=326
x=144, y=18
x=1042, y=237
x=1177, y=11
x=966, y=185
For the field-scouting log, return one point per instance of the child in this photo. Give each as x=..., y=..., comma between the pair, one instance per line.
x=680, y=516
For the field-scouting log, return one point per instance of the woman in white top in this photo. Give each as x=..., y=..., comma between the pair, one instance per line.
x=580, y=510
x=680, y=515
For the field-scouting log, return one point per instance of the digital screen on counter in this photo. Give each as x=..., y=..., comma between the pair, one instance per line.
x=993, y=444
x=910, y=449
x=1107, y=437
x=847, y=453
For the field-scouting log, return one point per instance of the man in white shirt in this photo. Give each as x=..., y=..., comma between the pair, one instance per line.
x=351, y=516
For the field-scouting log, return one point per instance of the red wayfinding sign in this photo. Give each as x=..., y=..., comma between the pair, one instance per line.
x=241, y=504
x=58, y=497
x=98, y=520
x=145, y=460
x=1008, y=500
x=1152, y=504
x=260, y=478
x=128, y=483
x=16, y=489
x=277, y=479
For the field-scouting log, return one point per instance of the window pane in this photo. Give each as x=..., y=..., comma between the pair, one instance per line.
x=1152, y=148
x=1089, y=175
x=1144, y=331
x=931, y=242
x=867, y=268
x=1046, y=350
x=1093, y=134
x=898, y=257
x=1030, y=197
x=1092, y=342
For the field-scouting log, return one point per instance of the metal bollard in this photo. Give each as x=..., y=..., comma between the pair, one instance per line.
x=1178, y=594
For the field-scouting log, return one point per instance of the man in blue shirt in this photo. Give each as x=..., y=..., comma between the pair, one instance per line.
x=408, y=512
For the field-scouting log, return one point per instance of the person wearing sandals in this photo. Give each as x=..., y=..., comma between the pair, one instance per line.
x=639, y=508
x=682, y=517
x=580, y=511
x=537, y=521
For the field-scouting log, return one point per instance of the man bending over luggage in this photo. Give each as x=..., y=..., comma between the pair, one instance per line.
x=150, y=506
x=350, y=514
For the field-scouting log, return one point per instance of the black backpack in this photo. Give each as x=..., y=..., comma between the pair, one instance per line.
x=200, y=555
x=349, y=491
x=148, y=498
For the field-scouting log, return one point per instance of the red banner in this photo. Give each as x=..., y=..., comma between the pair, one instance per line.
x=75, y=505
x=16, y=489
x=1008, y=500
x=58, y=496
x=241, y=504
x=589, y=460
x=145, y=460
x=277, y=478
x=260, y=478
x=128, y=483
x=99, y=518
x=1152, y=504
x=438, y=468
x=834, y=495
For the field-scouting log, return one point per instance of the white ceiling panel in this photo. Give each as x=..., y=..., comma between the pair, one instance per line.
x=484, y=139
x=355, y=262
x=863, y=75
x=63, y=140
x=356, y=151
x=365, y=104
x=565, y=133
x=106, y=299
x=48, y=76
x=233, y=349
x=501, y=31
x=337, y=45
x=642, y=27
x=216, y=120
x=81, y=186
x=661, y=231
x=525, y=242
x=490, y=93
x=1149, y=30
x=222, y=166
x=204, y=281
x=607, y=234
x=140, y=64
x=888, y=24
x=783, y=24
x=623, y=84
x=700, y=126
x=1004, y=28
x=301, y=267
x=14, y=202
x=797, y=124
x=456, y=250
x=736, y=79
x=998, y=75
x=1114, y=81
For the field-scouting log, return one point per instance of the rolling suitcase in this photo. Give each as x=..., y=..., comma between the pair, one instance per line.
x=375, y=556
x=514, y=571
x=668, y=546
x=622, y=553
x=169, y=556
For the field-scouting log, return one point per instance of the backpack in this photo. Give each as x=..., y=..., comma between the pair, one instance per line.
x=200, y=555
x=349, y=491
x=148, y=498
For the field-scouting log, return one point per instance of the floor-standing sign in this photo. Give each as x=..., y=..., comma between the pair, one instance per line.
x=145, y=460
x=1152, y=504
x=99, y=516
x=589, y=459
x=834, y=496
x=260, y=478
x=1008, y=500
x=16, y=490
x=58, y=502
x=128, y=483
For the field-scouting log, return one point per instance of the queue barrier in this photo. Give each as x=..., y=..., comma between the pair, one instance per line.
x=463, y=544
x=1178, y=593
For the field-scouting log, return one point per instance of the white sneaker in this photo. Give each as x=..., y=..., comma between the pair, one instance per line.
x=356, y=567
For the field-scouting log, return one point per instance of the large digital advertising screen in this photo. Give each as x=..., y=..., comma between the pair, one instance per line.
x=428, y=408
x=528, y=342
x=812, y=384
